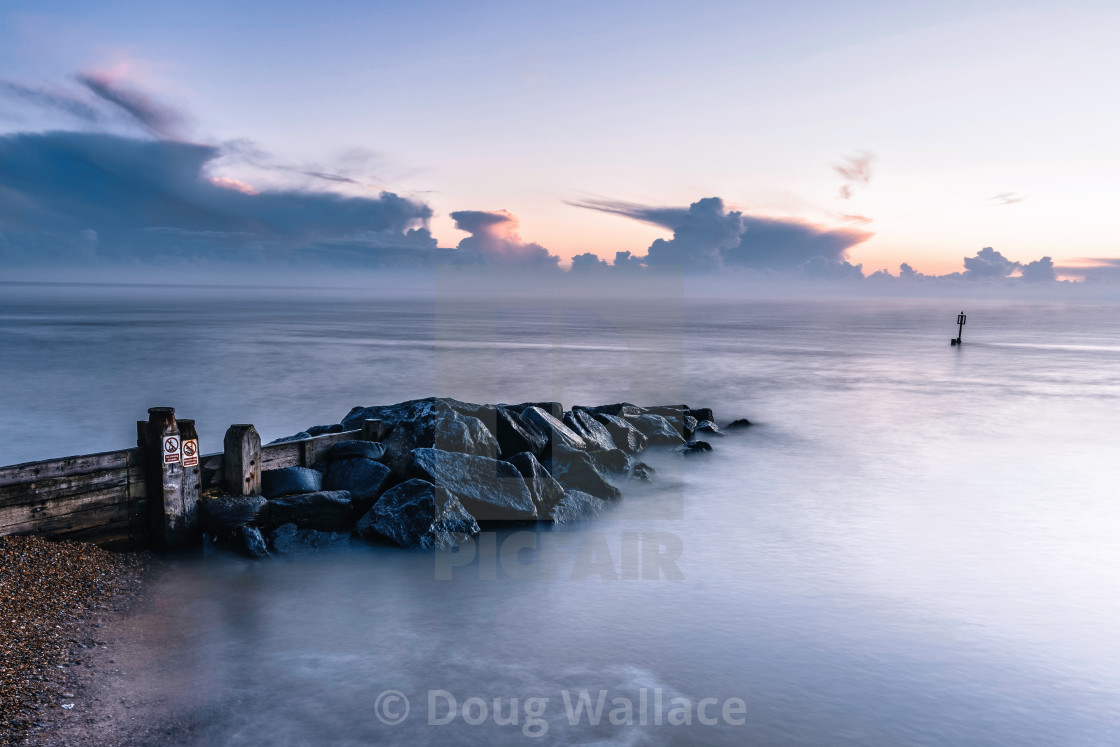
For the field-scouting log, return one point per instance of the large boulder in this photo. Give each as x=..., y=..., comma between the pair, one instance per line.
x=575, y=505
x=625, y=436
x=740, y=423
x=557, y=433
x=221, y=515
x=290, y=480
x=249, y=541
x=594, y=433
x=611, y=460
x=576, y=470
x=451, y=432
x=326, y=511
x=402, y=412
x=489, y=489
x=417, y=513
x=619, y=409
x=364, y=479
x=516, y=434
x=555, y=409
x=288, y=539
x=701, y=414
x=542, y=486
x=643, y=472
x=708, y=428
x=658, y=430
x=350, y=449
x=695, y=447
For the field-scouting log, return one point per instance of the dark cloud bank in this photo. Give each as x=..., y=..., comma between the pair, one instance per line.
x=94, y=196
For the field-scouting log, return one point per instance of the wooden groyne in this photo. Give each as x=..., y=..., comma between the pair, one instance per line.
x=147, y=496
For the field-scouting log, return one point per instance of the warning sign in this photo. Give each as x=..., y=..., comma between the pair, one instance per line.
x=170, y=449
x=190, y=453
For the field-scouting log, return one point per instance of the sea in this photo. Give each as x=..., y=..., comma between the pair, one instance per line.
x=913, y=544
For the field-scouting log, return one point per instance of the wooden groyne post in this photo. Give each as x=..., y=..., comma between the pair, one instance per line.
x=173, y=489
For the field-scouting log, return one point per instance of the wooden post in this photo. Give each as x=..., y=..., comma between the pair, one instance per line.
x=241, y=464
x=171, y=526
x=192, y=479
x=374, y=430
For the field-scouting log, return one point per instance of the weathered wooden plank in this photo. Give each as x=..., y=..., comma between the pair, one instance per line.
x=53, y=519
x=61, y=487
x=45, y=514
x=67, y=466
x=114, y=535
x=302, y=453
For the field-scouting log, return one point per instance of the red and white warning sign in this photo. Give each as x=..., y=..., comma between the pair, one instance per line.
x=170, y=449
x=190, y=453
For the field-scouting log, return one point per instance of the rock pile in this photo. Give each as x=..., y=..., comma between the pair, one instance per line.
x=443, y=466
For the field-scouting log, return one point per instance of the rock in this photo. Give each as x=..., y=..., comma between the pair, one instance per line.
x=222, y=515
x=453, y=432
x=363, y=479
x=249, y=541
x=542, y=486
x=417, y=513
x=688, y=427
x=594, y=433
x=658, y=431
x=709, y=428
x=516, y=434
x=740, y=423
x=402, y=412
x=288, y=539
x=611, y=460
x=556, y=432
x=576, y=470
x=701, y=414
x=555, y=409
x=289, y=480
x=576, y=505
x=643, y=472
x=625, y=436
x=489, y=489
x=620, y=409
x=320, y=430
x=348, y=449
x=325, y=511
x=695, y=447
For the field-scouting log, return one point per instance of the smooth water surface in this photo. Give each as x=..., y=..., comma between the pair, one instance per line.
x=917, y=544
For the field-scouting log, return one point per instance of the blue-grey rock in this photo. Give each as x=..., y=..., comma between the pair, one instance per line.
x=555, y=409
x=321, y=430
x=740, y=423
x=594, y=433
x=417, y=513
x=516, y=434
x=294, y=437
x=625, y=436
x=708, y=428
x=288, y=539
x=576, y=505
x=489, y=489
x=657, y=430
x=249, y=541
x=544, y=488
x=695, y=447
x=221, y=515
x=576, y=470
x=611, y=460
x=363, y=449
x=325, y=511
x=643, y=472
x=555, y=430
x=289, y=480
x=701, y=414
x=363, y=479
x=620, y=409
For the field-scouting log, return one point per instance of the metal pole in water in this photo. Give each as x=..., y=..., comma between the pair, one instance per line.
x=961, y=318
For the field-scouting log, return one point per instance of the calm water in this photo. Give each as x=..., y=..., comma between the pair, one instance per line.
x=918, y=544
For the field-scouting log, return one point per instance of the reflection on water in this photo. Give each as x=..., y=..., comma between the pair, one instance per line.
x=916, y=545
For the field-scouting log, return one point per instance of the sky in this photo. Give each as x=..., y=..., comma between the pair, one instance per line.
x=924, y=132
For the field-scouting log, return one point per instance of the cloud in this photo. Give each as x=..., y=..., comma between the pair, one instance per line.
x=146, y=199
x=1006, y=198
x=53, y=100
x=707, y=237
x=1039, y=271
x=494, y=240
x=155, y=117
x=988, y=263
x=856, y=172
